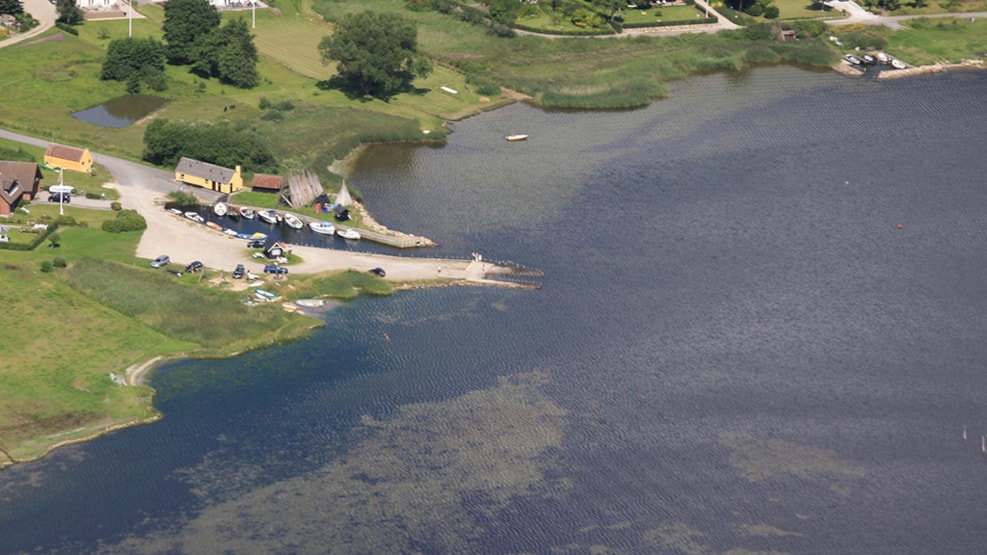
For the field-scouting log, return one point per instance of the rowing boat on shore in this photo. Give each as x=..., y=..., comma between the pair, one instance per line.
x=516, y=138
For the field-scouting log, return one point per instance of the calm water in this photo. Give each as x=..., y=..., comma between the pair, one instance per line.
x=735, y=347
x=122, y=110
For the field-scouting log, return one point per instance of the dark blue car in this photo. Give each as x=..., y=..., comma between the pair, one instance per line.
x=275, y=269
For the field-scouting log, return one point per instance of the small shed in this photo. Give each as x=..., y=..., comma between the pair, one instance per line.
x=266, y=183
x=788, y=34
x=274, y=248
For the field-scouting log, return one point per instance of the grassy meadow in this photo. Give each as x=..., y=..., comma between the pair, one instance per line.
x=71, y=327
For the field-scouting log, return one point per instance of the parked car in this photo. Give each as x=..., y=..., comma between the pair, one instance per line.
x=60, y=197
x=239, y=271
x=275, y=269
x=379, y=272
x=160, y=261
x=195, y=266
x=255, y=244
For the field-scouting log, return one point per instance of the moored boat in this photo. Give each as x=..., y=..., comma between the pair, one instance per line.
x=214, y=225
x=292, y=221
x=853, y=59
x=898, y=64
x=246, y=213
x=349, y=233
x=175, y=211
x=195, y=217
x=322, y=228
x=311, y=303
x=515, y=138
x=220, y=209
x=268, y=216
x=230, y=231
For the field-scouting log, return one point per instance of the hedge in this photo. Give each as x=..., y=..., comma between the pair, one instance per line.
x=701, y=21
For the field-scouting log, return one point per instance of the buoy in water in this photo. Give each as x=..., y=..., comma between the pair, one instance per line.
x=900, y=226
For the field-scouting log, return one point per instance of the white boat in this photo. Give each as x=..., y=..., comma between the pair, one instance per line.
x=898, y=64
x=310, y=303
x=292, y=221
x=348, y=233
x=268, y=216
x=515, y=138
x=175, y=211
x=67, y=189
x=195, y=217
x=231, y=232
x=220, y=209
x=853, y=59
x=322, y=228
x=246, y=213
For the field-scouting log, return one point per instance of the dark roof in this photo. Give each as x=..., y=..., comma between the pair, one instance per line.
x=205, y=170
x=63, y=152
x=266, y=181
x=26, y=173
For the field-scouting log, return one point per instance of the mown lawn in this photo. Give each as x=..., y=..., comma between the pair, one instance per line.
x=935, y=40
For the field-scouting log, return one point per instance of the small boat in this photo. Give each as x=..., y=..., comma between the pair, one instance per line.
x=230, y=231
x=322, y=228
x=898, y=64
x=195, y=217
x=214, y=225
x=882, y=58
x=853, y=59
x=268, y=216
x=220, y=209
x=348, y=233
x=175, y=211
x=515, y=138
x=289, y=307
x=255, y=284
x=311, y=303
x=292, y=221
x=258, y=236
x=869, y=60
x=246, y=213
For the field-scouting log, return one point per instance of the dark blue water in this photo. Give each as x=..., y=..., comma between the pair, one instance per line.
x=735, y=347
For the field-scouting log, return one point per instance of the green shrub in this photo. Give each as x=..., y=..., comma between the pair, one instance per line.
x=67, y=28
x=126, y=220
x=46, y=266
x=116, y=206
x=183, y=199
x=771, y=12
x=59, y=262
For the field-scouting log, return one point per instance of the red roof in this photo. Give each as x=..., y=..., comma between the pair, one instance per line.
x=65, y=152
x=265, y=181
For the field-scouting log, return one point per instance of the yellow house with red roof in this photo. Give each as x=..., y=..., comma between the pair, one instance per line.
x=69, y=158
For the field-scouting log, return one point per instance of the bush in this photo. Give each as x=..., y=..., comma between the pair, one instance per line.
x=59, y=262
x=46, y=266
x=183, y=199
x=127, y=220
x=67, y=28
x=116, y=206
x=771, y=12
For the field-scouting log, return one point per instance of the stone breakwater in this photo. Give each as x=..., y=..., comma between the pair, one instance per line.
x=934, y=68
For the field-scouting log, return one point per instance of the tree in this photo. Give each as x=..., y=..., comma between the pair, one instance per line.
x=69, y=12
x=187, y=22
x=375, y=52
x=129, y=56
x=12, y=7
x=229, y=53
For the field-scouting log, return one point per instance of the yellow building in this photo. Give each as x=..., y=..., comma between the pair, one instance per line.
x=69, y=158
x=209, y=176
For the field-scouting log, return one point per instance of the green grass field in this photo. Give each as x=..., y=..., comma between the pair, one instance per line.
x=71, y=327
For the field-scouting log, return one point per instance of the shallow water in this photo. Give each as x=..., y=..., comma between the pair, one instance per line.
x=735, y=347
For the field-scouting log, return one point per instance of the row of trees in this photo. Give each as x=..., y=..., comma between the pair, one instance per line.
x=224, y=144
